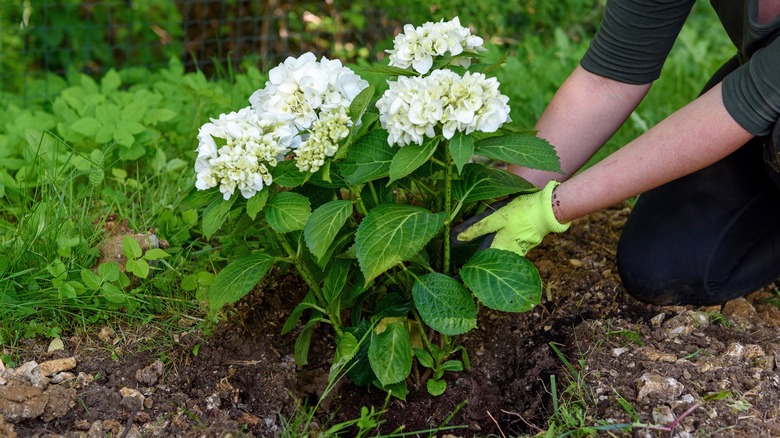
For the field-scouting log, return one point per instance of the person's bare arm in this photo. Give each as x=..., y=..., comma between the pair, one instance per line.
x=690, y=139
x=585, y=111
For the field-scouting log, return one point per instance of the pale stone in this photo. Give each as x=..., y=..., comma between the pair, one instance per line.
x=663, y=414
x=740, y=313
x=658, y=387
x=51, y=367
x=657, y=356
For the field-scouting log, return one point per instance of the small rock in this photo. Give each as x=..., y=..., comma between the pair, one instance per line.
x=20, y=401
x=151, y=374
x=61, y=401
x=657, y=387
x=657, y=319
x=769, y=314
x=616, y=352
x=740, y=313
x=213, y=402
x=29, y=372
x=663, y=414
x=657, y=356
x=6, y=430
x=685, y=323
x=57, y=365
x=576, y=263
x=62, y=377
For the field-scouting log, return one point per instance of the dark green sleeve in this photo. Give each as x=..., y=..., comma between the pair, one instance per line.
x=635, y=38
x=752, y=92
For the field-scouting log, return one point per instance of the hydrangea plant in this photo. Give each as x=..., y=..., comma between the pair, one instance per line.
x=358, y=193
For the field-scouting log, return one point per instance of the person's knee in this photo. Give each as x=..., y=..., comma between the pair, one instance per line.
x=646, y=281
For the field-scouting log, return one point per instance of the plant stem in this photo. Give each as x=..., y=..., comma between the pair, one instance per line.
x=307, y=276
x=447, y=207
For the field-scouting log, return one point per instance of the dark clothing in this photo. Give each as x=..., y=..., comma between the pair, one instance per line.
x=636, y=36
x=713, y=235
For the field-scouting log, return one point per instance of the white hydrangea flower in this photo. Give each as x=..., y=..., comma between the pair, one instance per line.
x=300, y=88
x=417, y=46
x=250, y=146
x=323, y=140
x=416, y=107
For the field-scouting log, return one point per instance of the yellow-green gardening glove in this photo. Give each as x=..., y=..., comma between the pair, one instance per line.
x=517, y=226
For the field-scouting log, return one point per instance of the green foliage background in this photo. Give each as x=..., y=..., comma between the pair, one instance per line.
x=102, y=127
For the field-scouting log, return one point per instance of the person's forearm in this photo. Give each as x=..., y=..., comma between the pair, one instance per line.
x=583, y=114
x=692, y=138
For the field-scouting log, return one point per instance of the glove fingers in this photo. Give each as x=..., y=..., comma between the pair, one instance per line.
x=478, y=225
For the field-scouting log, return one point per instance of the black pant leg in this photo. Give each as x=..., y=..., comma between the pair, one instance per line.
x=705, y=238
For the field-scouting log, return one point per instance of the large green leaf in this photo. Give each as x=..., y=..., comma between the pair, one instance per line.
x=324, y=224
x=522, y=149
x=390, y=352
x=410, y=158
x=287, y=211
x=256, y=203
x=335, y=279
x=391, y=234
x=461, y=148
x=215, y=215
x=369, y=158
x=286, y=174
x=237, y=279
x=503, y=280
x=346, y=349
x=480, y=182
x=359, y=104
x=445, y=304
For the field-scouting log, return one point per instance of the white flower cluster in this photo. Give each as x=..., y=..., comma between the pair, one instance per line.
x=323, y=141
x=414, y=107
x=303, y=107
x=306, y=93
x=417, y=46
x=250, y=146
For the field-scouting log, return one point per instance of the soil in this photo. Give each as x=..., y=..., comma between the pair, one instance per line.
x=589, y=356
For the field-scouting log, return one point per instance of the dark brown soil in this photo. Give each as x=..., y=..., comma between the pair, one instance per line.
x=618, y=361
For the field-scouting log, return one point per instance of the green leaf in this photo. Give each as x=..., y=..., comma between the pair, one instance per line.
x=369, y=158
x=110, y=82
x=131, y=248
x=112, y=293
x=123, y=137
x=346, y=349
x=155, y=254
x=480, y=182
x=522, y=149
x=324, y=224
x=140, y=268
x=256, y=203
x=409, y=158
x=336, y=279
x=88, y=126
x=387, y=70
x=445, y=304
x=461, y=148
x=303, y=342
x=308, y=302
x=237, y=279
x=503, y=280
x=360, y=103
x=287, y=211
x=286, y=174
x=200, y=198
x=215, y=215
x=436, y=387
x=160, y=115
x=109, y=271
x=390, y=351
x=391, y=234
x=90, y=279
x=423, y=357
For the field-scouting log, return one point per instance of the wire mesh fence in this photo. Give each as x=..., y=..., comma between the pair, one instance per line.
x=41, y=39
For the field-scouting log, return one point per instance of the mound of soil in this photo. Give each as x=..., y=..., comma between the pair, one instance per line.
x=590, y=357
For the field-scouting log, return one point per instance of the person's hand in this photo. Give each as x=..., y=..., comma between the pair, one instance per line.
x=517, y=225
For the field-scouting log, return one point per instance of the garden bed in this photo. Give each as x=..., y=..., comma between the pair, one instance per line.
x=609, y=359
